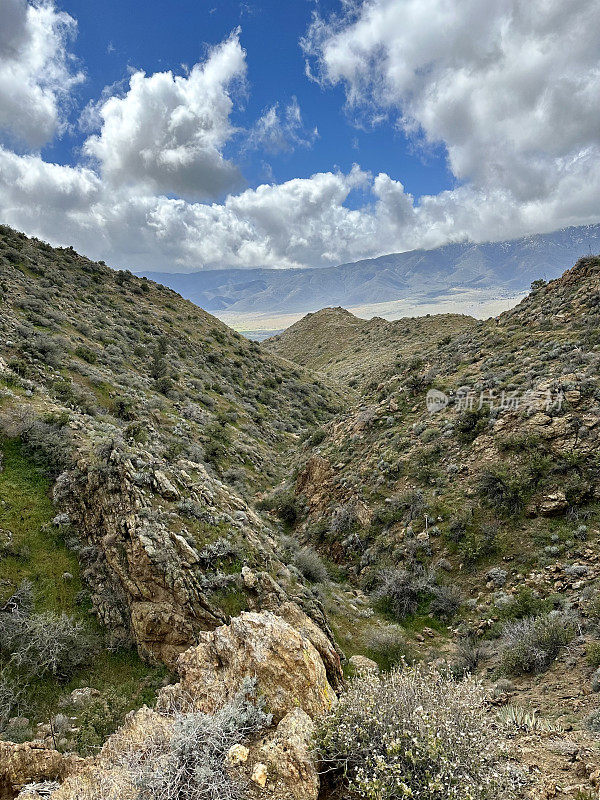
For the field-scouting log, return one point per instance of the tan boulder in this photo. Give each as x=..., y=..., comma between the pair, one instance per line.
x=286, y=755
x=363, y=664
x=553, y=504
x=31, y=762
x=289, y=671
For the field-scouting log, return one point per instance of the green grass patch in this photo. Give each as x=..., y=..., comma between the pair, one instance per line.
x=37, y=551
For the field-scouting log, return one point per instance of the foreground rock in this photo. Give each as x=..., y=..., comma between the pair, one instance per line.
x=289, y=671
x=21, y=764
x=277, y=764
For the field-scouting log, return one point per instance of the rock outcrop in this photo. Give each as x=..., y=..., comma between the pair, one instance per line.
x=275, y=765
x=21, y=764
x=288, y=669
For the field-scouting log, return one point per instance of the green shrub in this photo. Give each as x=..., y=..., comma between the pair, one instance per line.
x=503, y=491
x=386, y=645
x=412, y=733
x=98, y=719
x=530, y=645
x=593, y=654
x=403, y=593
x=308, y=561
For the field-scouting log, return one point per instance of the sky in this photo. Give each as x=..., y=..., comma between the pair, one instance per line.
x=197, y=135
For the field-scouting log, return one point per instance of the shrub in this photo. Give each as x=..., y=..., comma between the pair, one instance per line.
x=45, y=643
x=310, y=565
x=530, y=645
x=282, y=502
x=593, y=654
x=592, y=721
x=505, y=493
x=412, y=733
x=190, y=762
x=386, y=645
x=98, y=719
x=403, y=593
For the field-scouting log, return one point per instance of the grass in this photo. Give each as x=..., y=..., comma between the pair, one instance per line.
x=40, y=555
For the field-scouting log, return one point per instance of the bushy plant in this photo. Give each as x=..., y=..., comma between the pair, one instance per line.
x=98, y=719
x=531, y=644
x=504, y=492
x=308, y=561
x=412, y=733
x=189, y=763
x=386, y=645
x=404, y=592
x=45, y=643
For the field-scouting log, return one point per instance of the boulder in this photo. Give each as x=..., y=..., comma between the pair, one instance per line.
x=553, y=504
x=290, y=769
x=31, y=762
x=288, y=669
x=363, y=664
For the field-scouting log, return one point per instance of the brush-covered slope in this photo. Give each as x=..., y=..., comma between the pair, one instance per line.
x=157, y=424
x=354, y=351
x=506, y=474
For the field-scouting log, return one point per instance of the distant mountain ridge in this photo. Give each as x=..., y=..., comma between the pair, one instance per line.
x=419, y=274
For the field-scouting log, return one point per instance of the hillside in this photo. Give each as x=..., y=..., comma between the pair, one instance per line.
x=352, y=350
x=519, y=427
x=135, y=429
x=261, y=564
x=494, y=491
x=418, y=275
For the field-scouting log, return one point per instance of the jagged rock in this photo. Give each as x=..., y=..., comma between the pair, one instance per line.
x=32, y=762
x=288, y=669
x=287, y=757
x=237, y=754
x=164, y=486
x=553, y=504
x=259, y=775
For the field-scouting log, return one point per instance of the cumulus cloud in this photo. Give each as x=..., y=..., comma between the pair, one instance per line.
x=509, y=87
x=510, y=90
x=167, y=132
x=37, y=74
x=278, y=132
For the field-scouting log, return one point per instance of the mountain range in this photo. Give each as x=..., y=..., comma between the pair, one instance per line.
x=419, y=275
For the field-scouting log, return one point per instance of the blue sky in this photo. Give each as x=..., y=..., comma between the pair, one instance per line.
x=117, y=36
x=187, y=135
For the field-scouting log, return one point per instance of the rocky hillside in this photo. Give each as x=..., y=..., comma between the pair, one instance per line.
x=460, y=495
x=356, y=351
x=412, y=502
x=138, y=428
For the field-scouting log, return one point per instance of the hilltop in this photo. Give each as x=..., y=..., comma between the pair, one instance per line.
x=352, y=350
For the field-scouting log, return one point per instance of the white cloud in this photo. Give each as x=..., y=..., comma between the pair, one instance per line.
x=278, y=132
x=37, y=74
x=510, y=90
x=167, y=132
x=510, y=87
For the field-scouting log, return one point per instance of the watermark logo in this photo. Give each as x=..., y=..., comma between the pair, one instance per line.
x=467, y=399
x=436, y=401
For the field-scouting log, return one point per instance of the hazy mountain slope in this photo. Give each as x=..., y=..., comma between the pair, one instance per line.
x=510, y=265
x=335, y=342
